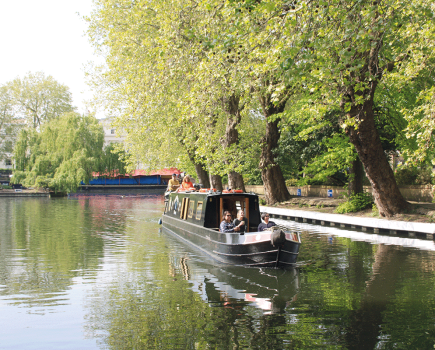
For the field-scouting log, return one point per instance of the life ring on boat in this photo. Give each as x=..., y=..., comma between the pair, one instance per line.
x=208, y=190
x=232, y=191
x=190, y=189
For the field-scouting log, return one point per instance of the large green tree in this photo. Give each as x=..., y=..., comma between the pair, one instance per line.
x=341, y=53
x=176, y=68
x=159, y=69
x=350, y=49
x=39, y=98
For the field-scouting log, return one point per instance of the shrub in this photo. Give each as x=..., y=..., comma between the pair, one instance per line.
x=356, y=202
x=262, y=201
x=291, y=182
x=407, y=175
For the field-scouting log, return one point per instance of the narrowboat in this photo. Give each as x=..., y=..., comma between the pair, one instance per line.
x=195, y=216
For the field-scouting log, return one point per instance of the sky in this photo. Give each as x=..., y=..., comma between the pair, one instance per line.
x=47, y=36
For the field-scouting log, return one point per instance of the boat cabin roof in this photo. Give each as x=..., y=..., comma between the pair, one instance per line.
x=206, y=208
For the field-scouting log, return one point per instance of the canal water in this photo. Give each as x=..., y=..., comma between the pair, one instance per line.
x=97, y=272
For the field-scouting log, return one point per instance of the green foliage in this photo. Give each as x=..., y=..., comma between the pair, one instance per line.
x=410, y=175
x=38, y=99
x=63, y=154
x=291, y=182
x=9, y=126
x=337, y=64
x=113, y=160
x=327, y=167
x=375, y=210
x=356, y=203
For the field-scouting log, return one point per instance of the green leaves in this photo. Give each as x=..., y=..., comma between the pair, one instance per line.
x=62, y=155
x=169, y=66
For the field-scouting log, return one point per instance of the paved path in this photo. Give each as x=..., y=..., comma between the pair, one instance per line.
x=393, y=227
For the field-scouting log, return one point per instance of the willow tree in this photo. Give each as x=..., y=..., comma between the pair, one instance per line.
x=64, y=153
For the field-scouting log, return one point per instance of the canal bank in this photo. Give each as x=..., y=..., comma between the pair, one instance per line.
x=23, y=193
x=320, y=211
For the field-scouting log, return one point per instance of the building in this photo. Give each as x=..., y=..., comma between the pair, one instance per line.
x=110, y=134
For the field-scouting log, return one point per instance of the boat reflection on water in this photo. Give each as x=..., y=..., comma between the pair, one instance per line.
x=267, y=289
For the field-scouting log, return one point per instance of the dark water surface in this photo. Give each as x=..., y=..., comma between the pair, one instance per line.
x=97, y=272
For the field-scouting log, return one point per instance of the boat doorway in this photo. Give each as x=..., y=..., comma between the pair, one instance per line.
x=233, y=205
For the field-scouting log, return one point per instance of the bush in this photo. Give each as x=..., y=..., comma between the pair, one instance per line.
x=407, y=175
x=262, y=201
x=357, y=202
x=291, y=182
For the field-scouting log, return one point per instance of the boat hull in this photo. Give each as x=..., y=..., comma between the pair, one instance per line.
x=249, y=249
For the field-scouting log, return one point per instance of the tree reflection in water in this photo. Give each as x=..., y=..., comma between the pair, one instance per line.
x=142, y=289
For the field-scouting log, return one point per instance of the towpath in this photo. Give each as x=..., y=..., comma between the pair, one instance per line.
x=419, y=222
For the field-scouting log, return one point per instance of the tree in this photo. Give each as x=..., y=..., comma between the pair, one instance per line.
x=39, y=98
x=64, y=153
x=350, y=48
x=341, y=51
x=177, y=61
x=9, y=125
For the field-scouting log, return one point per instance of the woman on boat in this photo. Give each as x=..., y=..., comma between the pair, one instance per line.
x=226, y=224
x=186, y=183
x=266, y=224
x=241, y=221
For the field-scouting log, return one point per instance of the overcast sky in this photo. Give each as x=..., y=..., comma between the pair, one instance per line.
x=47, y=36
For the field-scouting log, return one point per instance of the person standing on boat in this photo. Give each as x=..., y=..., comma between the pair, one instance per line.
x=173, y=183
x=241, y=221
x=226, y=224
x=266, y=224
x=186, y=183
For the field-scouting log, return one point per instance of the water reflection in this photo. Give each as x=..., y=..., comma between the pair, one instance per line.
x=43, y=248
x=270, y=290
x=95, y=270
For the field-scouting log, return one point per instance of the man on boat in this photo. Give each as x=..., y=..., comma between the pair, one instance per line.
x=266, y=224
x=173, y=183
x=226, y=224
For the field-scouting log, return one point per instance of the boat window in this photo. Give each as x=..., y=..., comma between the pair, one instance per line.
x=198, y=211
x=190, y=210
x=184, y=206
x=238, y=205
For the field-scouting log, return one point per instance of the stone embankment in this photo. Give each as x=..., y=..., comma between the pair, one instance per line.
x=23, y=193
x=418, y=223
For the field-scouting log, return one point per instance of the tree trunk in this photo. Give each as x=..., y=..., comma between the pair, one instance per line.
x=202, y=176
x=356, y=173
x=216, y=182
x=232, y=107
x=235, y=181
x=275, y=189
x=366, y=140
